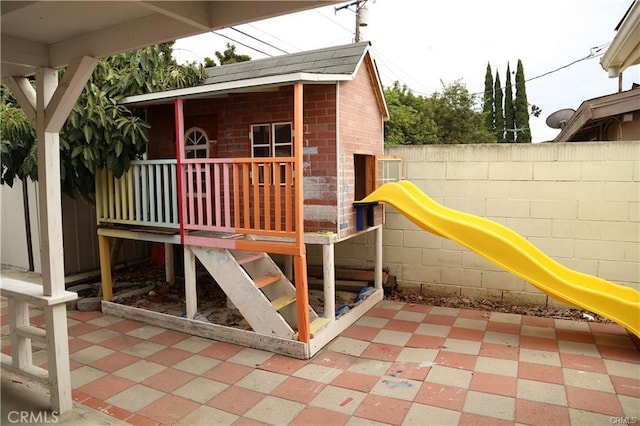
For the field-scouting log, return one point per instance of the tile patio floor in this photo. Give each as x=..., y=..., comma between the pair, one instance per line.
x=400, y=364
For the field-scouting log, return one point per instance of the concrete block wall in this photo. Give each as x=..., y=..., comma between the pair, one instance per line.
x=577, y=202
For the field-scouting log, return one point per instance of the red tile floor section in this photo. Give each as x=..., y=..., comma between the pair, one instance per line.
x=399, y=364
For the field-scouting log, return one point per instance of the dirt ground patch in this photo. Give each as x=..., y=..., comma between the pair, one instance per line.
x=213, y=303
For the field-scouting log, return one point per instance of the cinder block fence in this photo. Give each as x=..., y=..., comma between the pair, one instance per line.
x=577, y=202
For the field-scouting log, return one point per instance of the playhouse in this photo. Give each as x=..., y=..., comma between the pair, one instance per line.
x=262, y=159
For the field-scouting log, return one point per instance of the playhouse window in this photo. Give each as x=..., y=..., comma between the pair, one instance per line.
x=272, y=140
x=196, y=143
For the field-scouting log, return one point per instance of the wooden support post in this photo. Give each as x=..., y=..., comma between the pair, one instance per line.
x=58, y=358
x=105, y=267
x=329, y=277
x=288, y=267
x=378, y=265
x=302, y=298
x=169, y=270
x=190, y=292
x=20, y=345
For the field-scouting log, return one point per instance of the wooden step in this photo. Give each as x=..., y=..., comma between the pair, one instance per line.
x=265, y=280
x=248, y=257
x=315, y=326
x=283, y=301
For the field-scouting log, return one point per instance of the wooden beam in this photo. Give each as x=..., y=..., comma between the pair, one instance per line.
x=191, y=295
x=105, y=267
x=378, y=262
x=25, y=94
x=194, y=13
x=182, y=190
x=58, y=358
x=329, y=266
x=66, y=95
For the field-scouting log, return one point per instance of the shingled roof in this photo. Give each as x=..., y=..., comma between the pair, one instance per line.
x=330, y=60
x=328, y=65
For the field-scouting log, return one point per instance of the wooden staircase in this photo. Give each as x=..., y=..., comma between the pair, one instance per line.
x=259, y=290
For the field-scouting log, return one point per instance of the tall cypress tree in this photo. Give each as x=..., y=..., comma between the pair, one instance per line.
x=521, y=108
x=488, y=107
x=509, y=113
x=499, y=112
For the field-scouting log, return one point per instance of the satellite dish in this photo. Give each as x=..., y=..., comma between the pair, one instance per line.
x=558, y=119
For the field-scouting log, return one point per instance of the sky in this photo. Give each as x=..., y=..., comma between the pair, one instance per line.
x=424, y=44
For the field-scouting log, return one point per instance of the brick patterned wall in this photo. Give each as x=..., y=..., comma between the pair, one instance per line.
x=360, y=132
x=578, y=202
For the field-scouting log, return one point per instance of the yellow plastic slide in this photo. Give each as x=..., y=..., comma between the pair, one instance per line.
x=515, y=254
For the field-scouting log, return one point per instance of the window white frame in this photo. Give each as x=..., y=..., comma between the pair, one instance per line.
x=271, y=140
x=196, y=143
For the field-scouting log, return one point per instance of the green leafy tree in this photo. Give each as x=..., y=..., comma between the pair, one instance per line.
x=509, y=112
x=98, y=132
x=444, y=117
x=228, y=56
x=410, y=123
x=523, y=133
x=488, y=108
x=499, y=112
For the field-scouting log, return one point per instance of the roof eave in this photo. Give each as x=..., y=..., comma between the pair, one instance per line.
x=199, y=91
x=624, y=50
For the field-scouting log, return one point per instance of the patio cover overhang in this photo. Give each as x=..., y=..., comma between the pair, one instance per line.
x=624, y=50
x=39, y=37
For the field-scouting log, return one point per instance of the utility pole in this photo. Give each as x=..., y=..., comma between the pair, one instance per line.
x=362, y=16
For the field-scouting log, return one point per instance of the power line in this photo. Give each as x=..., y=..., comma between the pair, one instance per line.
x=274, y=37
x=242, y=44
x=257, y=39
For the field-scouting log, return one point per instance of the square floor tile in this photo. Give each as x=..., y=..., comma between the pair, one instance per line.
x=261, y=381
x=282, y=364
x=356, y=381
x=594, y=401
x=424, y=341
x=540, y=372
x=236, y=400
x=450, y=376
x=99, y=335
x=532, y=412
x=547, y=393
x=221, y=350
x=389, y=337
x=485, y=404
x=193, y=344
x=383, y=409
x=203, y=415
x=583, y=363
x=360, y=332
x=382, y=352
x=299, y=390
x=274, y=410
x=105, y=387
x=622, y=369
x=168, y=338
x=436, y=330
x=410, y=370
x=444, y=310
x=197, y=364
x=456, y=360
x=169, y=356
x=348, y=346
x=410, y=316
x=373, y=322
x=140, y=370
x=83, y=375
x=629, y=405
x=497, y=366
x=538, y=343
x=145, y=331
x=370, y=366
x=338, y=399
x=394, y=387
x=418, y=413
x=493, y=383
x=317, y=373
x=227, y=372
x=168, y=380
x=90, y=354
x=319, y=417
x=440, y=395
x=492, y=350
x=501, y=338
x=466, y=334
x=135, y=398
x=540, y=357
x=169, y=409
x=200, y=389
x=505, y=317
x=417, y=355
x=626, y=386
x=401, y=325
x=462, y=346
x=535, y=331
x=124, y=326
x=144, y=349
x=577, y=348
x=114, y=362
x=587, y=380
x=120, y=342
x=251, y=357
x=470, y=323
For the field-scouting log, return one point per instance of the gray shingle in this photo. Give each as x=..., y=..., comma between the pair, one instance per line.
x=329, y=60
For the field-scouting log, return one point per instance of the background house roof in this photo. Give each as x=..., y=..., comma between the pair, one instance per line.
x=52, y=33
x=331, y=60
x=593, y=112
